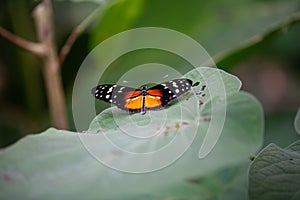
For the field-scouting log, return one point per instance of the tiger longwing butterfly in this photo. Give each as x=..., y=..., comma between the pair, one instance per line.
x=140, y=100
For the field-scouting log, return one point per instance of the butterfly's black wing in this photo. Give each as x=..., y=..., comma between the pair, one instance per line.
x=170, y=90
x=115, y=94
x=131, y=99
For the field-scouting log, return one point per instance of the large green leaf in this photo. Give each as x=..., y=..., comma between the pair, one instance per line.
x=227, y=184
x=60, y=164
x=275, y=173
x=219, y=26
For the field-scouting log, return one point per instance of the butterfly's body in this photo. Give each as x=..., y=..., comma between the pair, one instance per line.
x=136, y=100
x=144, y=95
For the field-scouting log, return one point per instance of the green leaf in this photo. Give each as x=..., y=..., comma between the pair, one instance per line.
x=228, y=184
x=95, y=164
x=262, y=40
x=123, y=13
x=275, y=173
x=223, y=28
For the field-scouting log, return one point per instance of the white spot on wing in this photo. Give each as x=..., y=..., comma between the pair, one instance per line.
x=177, y=90
x=135, y=98
x=120, y=91
x=110, y=90
x=175, y=85
x=154, y=97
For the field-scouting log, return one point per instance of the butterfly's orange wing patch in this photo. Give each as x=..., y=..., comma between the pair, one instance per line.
x=134, y=103
x=155, y=92
x=152, y=101
x=132, y=94
x=153, y=98
x=131, y=99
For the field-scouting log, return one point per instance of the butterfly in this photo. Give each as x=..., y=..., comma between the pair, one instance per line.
x=140, y=100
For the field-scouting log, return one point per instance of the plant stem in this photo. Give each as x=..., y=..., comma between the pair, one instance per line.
x=46, y=49
x=35, y=48
x=51, y=69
